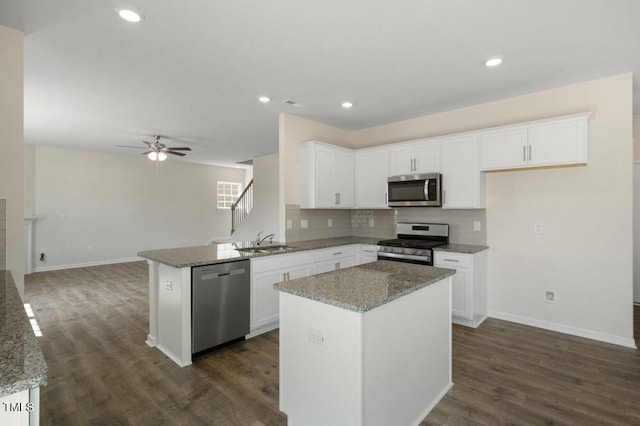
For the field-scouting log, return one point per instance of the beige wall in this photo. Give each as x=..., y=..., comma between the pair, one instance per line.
x=590, y=270
x=636, y=137
x=11, y=137
x=118, y=205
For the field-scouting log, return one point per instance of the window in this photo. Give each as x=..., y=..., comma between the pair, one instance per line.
x=228, y=193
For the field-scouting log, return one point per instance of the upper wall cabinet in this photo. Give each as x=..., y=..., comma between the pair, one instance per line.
x=416, y=157
x=371, y=172
x=326, y=176
x=462, y=182
x=553, y=142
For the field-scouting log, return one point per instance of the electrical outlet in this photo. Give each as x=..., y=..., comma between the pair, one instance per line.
x=549, y=296
x=67, y=249
x=372, y=222
x=43, y=257
x=289, y=224
x=168, y=285
x=63, y=217
x=89, y=248
x=315, y=336
x=537, y=228
x=304, y=223
x=329, y=222
x=477, y=226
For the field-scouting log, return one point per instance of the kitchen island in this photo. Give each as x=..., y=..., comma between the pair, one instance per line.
x=368, y=345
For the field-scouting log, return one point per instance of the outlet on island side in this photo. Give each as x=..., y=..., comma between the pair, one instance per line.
x=549, y=296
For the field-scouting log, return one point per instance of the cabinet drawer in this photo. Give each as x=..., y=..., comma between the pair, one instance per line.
x=280, y=261
x=454, y=260
x=333, y=253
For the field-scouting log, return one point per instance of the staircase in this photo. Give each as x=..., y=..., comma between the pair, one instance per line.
x=242, y=207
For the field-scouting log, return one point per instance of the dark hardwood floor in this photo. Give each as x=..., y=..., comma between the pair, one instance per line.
x=94, y=322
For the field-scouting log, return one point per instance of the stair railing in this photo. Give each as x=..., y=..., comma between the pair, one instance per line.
x=242, y=207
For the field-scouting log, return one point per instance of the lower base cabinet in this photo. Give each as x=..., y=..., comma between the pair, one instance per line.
x=468, y=287
x=268, y=270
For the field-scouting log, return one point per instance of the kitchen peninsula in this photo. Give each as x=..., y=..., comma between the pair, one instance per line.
x=368, y=345
x=170, y=275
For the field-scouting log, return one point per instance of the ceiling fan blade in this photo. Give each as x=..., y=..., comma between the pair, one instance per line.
x=129, y=146
x=149, y=144
x=178, y=148
x=148, y=152
x=175, y=153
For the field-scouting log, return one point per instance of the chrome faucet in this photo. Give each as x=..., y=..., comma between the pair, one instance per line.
x=260, y=241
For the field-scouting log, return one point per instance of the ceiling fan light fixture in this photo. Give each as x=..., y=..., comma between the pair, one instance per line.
x=129, y=15
x=162, y=156
x=264, y=99
x=347, y=104
x=153, y=156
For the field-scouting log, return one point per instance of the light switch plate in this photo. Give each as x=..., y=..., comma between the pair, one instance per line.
x=477, y=226
x=372, y=222
x=304, y=223
x=329, y=222
x=289, y=224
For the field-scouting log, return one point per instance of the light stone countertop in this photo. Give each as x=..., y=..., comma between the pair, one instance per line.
x=22, y=364
x=461, y=248
x=365, y=287
x=225, y=252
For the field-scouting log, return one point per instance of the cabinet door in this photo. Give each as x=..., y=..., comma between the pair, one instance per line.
x=427, y=157
x=462, y=294
x=325, y=177
x=265, y=299
x=333, y=265
x=372, y=171
x=503, y=149
x=558, y=143
x=401, y=160
x=460, y=173
x=343, y=178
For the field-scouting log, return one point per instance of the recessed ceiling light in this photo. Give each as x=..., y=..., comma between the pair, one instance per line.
x=347, y=104
x=264, y=99
x=493, y=62
x=129, y=15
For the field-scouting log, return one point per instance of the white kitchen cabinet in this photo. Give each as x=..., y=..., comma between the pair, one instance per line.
x=368, y=254
x=468, y=287
x=415, y=157
x=552, y=142
x=371, y=173
x=265, y=272
x=462, y=182
x=326, y=176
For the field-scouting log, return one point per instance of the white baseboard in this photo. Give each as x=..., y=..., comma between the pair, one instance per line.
x=566, y=329
x=262, y=330
x=432, y=404
x=173, y=357
x=83, y=265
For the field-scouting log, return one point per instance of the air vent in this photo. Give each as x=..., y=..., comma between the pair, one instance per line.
x=292, y=103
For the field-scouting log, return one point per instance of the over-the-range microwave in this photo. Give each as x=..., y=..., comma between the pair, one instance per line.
x=419, y=190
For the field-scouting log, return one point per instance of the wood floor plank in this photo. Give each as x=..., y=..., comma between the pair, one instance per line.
x=94, y=322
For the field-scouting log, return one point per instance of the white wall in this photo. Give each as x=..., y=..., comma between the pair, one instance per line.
x=11, y=155
x=590, y=270
x=117, y=205
x=266, y=202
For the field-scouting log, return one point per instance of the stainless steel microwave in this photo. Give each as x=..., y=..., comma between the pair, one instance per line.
x=421, y=190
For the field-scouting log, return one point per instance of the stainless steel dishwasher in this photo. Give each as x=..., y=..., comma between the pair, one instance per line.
x=220, y=297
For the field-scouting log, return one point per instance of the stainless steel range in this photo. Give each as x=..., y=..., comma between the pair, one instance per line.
x=414, y=243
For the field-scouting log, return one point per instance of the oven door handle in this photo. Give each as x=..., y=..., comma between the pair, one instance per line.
x=424, y=259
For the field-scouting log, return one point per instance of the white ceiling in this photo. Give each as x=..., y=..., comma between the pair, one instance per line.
x=193, y=70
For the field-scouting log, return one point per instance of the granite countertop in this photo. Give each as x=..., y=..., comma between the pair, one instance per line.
x=224, y=252
x=461, y=248
x=22, y=364
x=365, y=287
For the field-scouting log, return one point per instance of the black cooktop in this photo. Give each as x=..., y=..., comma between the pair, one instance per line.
x=411, y=243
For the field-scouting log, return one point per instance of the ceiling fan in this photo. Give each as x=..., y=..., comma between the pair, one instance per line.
x=157, y=151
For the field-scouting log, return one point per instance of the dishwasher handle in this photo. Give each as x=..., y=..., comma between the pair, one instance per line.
x=223, y=274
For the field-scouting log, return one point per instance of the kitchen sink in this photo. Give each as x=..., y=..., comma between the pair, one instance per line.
x=267, y=249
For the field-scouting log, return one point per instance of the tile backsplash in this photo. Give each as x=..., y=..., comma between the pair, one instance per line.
x=3, y=235
x=381, y=223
